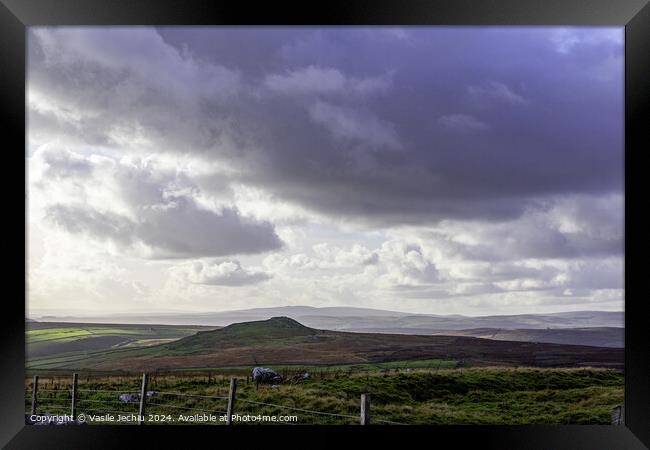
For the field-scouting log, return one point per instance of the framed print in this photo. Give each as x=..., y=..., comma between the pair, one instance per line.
x=364, y=219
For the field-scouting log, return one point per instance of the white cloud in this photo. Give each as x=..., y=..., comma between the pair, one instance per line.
x=496, y=91
x=566, y=40
x=356, y=126
x=141, y=206
x=226, y=273
x=324, y=80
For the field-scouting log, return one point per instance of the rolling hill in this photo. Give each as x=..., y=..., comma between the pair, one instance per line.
x=359, y=319
x=595, y=336
x=594, y=328
x=281, y=340
x=51, y=339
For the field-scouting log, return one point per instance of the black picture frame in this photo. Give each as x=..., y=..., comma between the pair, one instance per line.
x=16, y=15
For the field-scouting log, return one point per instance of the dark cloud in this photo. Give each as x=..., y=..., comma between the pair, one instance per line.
x=534, y=112
x=82, y=220
x=176, y=230
x=138, y=202
x=573, y=227
x=550, y=119
x=183, y=230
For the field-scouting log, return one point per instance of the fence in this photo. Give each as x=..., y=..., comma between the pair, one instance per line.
x=141, y=403
x=75, y=400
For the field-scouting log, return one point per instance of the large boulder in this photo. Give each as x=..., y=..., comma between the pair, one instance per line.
x=127, y=398
x=266, y=375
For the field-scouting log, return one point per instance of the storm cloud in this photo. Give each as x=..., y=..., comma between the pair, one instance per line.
x=357, y=165
x=142, y=207
x=409, y=133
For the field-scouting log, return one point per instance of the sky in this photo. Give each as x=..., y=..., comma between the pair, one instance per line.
x=440, y=170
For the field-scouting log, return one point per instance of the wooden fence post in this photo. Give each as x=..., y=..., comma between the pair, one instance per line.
x=143, y=397
x=365, y=409
x=231, y=401
x=618, y=417
x=34, y=394
x=74, y=396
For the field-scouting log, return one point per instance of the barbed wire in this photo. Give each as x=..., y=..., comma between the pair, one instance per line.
x=297, y=409
x=64, y=397
x=182, y=407
x=112, y=391
x=106, y=411
x=43, y=404
x=45, y=400
x=54, y=390
x=183, y=394
x=114, y=405
x=388, y=422
x=52, y=408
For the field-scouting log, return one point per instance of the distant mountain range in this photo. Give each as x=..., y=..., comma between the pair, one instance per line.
x=353, y=319
x=599, y=328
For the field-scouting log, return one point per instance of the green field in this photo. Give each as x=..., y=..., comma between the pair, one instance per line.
x=50, y=343
x=417, y=396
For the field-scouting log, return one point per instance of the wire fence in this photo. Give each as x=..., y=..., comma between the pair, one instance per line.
x=107, y=404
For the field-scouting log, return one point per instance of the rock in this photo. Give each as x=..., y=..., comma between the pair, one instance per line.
x=126, y=398
x=266, y=375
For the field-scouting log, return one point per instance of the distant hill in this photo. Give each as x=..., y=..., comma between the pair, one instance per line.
x=361, y=319
x=585, y=319
x=281, y=340
x=596, y=336
x=242, y=334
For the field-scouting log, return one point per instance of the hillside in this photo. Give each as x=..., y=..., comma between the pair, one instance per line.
x=54, y=339
x=278, y=329
x=281, y=340
x=596, y=336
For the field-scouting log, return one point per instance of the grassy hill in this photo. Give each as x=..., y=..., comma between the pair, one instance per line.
x=281, y=340
x=245, y=333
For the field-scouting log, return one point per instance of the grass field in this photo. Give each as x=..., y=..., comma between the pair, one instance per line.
x=52, y=342
x=419, y=396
